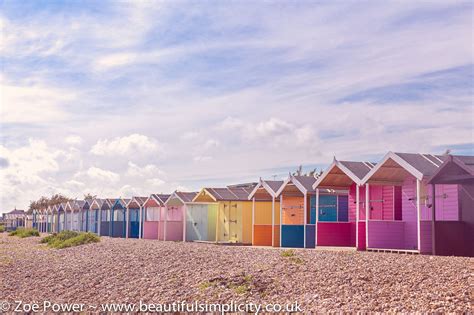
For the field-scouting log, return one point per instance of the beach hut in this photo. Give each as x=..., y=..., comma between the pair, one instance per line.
x=103, y=209
x=154, y=212
x=84, y=215
x=117, y=227
x=295, y=197
x=62, y=219
x=174, y=225
x=95, y=208
x=75, y=209
x=409, y=230
x=228, y=218
x=266, y=213
x=340, y=220
x=134, y=217
x=456, y=235
x=14, y=219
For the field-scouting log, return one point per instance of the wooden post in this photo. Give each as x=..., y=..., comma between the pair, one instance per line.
x=418, y=212
x=357, y=215
x=127, y=221
x=367, y=211
x=217, y=221
x=433, y=220
x=99, y=220
x=185, y=211
x=281, y=218
x=305, y=218
x=273, y=221
x=166, y=222
x=316, y=219
x=140, y=223
x=253, y=220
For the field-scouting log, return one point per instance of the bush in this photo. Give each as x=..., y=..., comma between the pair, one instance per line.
x=22, y=232
x=66, y=239
x=2, y=228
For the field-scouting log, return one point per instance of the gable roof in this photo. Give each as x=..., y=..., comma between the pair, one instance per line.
x=16, y=211
x=397, y=165
x=140, y=201
x=232, y=193
x=270, y=186
x=343, y=174
x=303, y=183
x=185, y=196
x=456, y=169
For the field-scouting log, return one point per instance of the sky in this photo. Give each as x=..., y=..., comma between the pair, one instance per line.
x=129, y=98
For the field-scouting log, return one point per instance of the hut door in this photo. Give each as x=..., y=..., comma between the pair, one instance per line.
x=376, y=202
x=226, y=221
x=233, y=223
x=327, y=208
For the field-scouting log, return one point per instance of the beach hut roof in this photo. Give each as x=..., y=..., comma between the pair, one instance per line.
x=185, y=196
x=160, y=199
x=100, y=202
x=455, y=169
x=343, y=174
x=16, y=211
x=304, y=184
x=270, y=186
x=394, y=167
x=231, y=193
x=138, y=201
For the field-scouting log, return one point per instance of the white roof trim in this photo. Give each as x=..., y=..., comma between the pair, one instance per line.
x=293, y=180
x=174, y=195
x=390, y=155
x=262, y=184
x=343, y=168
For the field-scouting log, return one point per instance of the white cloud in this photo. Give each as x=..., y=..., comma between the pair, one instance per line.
x=154, y=182
x=75, y=184
x=114, y=60
x=74, y=140
x=96, y=173
x=132, y=144
x=32, y=104
x=272, y=127
x=148, y=170
x=200, y=158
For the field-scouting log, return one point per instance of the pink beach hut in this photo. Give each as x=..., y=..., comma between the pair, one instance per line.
x=153, y=227
x=348, y=227
x=454, y=237
x=174, y=219
x=409, y=227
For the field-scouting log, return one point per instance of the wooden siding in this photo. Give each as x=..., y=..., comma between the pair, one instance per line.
x=263, y=212
x=262, y=235
x=246, y=225
x=387, y=234
x=292, y=210
x=334, y=234
x=150, y=230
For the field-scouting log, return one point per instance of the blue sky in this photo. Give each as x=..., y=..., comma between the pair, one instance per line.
x=125, y=98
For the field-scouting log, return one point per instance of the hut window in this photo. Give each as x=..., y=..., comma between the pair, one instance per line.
x=153, y=214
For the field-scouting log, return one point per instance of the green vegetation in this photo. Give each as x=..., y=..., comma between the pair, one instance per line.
x=288, y=253
x=291, y=255
x=66, y=239
x=22, y=232
x=2, y=228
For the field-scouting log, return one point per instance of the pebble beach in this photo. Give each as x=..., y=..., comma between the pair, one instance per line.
x=130, y=270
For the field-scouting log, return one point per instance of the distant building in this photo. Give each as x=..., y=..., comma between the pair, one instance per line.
x=14, y=219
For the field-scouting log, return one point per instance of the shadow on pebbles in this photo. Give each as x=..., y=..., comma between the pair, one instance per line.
x=127, y=271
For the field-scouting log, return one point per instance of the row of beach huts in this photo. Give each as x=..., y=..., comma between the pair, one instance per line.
x=412, y=203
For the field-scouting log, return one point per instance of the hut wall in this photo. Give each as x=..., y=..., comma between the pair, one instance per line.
x=151, y=223
x=197, y=222
x=263, y=222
